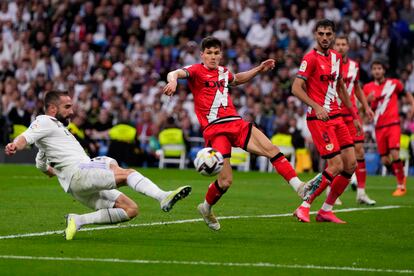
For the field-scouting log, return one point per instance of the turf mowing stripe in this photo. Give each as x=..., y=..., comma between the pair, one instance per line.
x=47, y=233
x=204, y=263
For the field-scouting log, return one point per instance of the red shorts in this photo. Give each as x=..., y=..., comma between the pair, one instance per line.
x=223, y=136
x=330, y=137
x=353, y=131
x=388, y=138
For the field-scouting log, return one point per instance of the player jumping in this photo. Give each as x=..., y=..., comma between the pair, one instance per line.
x=222, y=126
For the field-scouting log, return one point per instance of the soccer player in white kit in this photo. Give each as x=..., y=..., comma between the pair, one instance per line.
x=93, y=182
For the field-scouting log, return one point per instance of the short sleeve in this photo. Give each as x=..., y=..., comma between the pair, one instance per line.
x=38, y=129
x=231, y=77
x=306, y=68
x=399, y=87
x=191, y=71
x=365, y=90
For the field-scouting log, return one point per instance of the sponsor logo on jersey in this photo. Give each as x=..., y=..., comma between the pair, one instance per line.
x=303, y=66
x=218, y=84
x=331, y=77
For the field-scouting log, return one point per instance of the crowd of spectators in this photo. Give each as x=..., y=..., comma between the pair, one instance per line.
x=113, y=56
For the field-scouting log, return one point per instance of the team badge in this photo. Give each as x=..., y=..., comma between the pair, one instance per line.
x=329, y=147
x=34, y=125
x=303, y=66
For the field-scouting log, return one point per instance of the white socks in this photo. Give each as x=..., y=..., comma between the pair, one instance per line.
x=206, y=205
x=103, y=216
x=305, y=204
x=327, y=207
x=360, y=192
x=295, y=182
x=143, y=185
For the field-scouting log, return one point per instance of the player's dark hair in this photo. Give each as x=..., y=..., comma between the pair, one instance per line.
x=325, y=23
x=343, y=37
x=210, y=41
x=378, y=62
x=53, y=97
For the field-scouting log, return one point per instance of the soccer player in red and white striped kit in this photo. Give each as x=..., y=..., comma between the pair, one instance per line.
x=318, y=84
x=383, y=95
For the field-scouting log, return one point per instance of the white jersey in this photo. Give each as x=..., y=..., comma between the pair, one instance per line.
x=57, y=147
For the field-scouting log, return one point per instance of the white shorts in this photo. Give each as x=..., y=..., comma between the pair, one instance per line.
x=93, y=184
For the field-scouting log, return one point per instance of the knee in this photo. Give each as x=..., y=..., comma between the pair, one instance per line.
x=336, y=167
x=225, y=182
x=350, y=166
x=132, y=210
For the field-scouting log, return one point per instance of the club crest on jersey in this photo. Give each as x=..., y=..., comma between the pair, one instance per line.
x=329, y=147
x=303, y=66
x=34, y=125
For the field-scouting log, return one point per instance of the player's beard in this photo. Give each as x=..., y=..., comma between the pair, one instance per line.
x=64, y=120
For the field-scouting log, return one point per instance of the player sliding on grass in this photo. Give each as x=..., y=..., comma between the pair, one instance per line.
x=317, y=84
x=93, y=182
x=222, y=126
x=383, y=94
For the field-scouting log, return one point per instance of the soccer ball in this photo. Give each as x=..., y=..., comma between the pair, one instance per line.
x=209, y=162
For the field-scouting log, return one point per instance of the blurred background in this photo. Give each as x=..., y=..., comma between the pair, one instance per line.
x=113, y=56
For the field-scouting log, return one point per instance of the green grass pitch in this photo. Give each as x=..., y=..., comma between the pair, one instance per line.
x=375, y=240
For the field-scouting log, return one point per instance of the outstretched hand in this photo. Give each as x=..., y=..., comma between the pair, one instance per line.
x=170, y=88
x=267, y=65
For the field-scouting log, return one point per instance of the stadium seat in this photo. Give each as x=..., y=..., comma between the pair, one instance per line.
x=240, y=159
x=17, y=130
x=284, y=143
x=172, y=148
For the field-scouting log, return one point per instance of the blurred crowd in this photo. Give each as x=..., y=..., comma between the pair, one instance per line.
x=113, y=57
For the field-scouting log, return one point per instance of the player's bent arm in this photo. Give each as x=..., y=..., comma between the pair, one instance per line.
x=42, y=165
x=172, y=78
x=343, y=95
x=361, y=97
x=299, y=90
x=246, y=76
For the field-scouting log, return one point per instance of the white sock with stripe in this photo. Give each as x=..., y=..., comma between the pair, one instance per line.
x=103, y=216
x=143, y=185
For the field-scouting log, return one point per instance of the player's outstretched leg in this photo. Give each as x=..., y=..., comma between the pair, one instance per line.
x=145, y=186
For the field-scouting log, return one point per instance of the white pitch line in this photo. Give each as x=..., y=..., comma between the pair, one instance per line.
x=204, y=263
x=48, y=233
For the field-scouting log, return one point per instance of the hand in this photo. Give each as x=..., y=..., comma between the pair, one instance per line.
x=321, y=113
x=267, y=65
x=369, y=113
x=50, y=172
x=10, y=149
x=358, y=127
x=170, y=88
